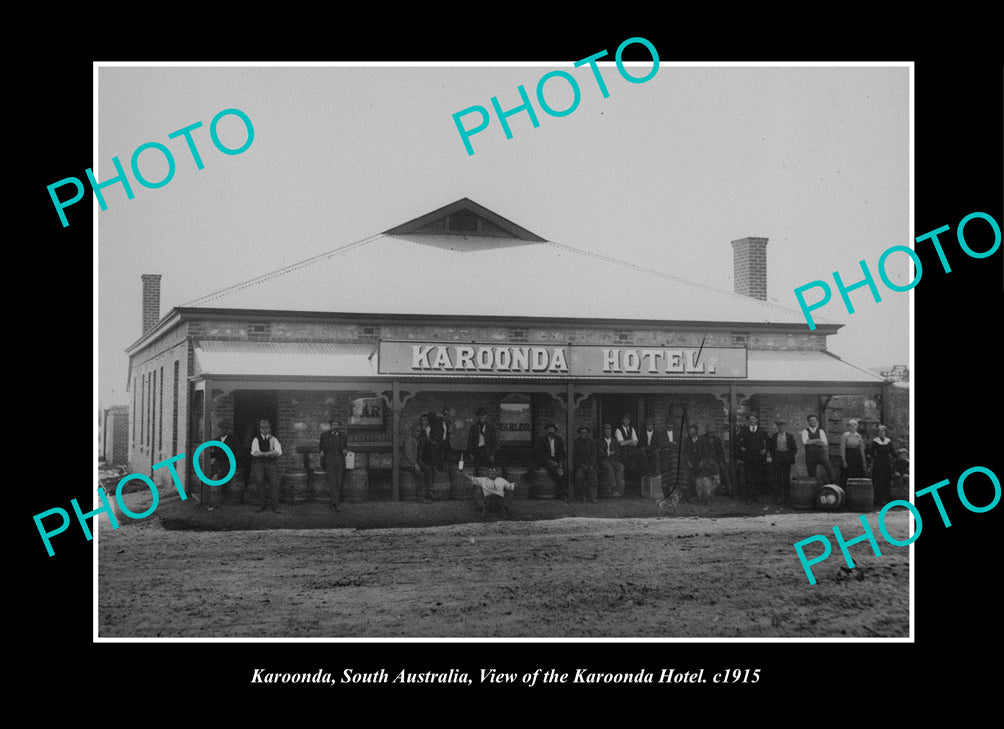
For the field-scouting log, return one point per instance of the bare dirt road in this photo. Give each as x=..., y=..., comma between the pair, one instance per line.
x=572, y=577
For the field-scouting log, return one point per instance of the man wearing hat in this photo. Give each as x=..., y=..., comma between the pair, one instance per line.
x=753, y=443
x=442, y=434
x=333, y=444
x=584, y=458
x=482, y=441
x=219, y=464
x=781, y=453
x=551, y=456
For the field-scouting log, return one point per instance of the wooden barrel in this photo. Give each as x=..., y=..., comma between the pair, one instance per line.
x=860, y=494
x=319, y=486
x=542, y=486
x=440, y=485
x=407, y=488
x=829, y=497
x=356, y=482
x=296, y=484
x=517, y=475
x=381, y=461
x=803, y=493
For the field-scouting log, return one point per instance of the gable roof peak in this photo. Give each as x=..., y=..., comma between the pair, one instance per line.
x=464, y=217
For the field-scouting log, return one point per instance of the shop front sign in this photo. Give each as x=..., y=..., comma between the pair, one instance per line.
x=568, y=360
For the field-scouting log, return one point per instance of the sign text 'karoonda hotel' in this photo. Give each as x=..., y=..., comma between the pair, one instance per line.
x=568, y=360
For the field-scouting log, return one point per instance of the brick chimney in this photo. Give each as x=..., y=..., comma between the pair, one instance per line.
x=151, y=300
x=750, y=267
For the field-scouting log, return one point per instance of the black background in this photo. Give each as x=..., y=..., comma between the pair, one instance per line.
x=958, y=126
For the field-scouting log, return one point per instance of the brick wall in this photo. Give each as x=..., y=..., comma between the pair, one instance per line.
x=750, y=267
x=152, y=438
x=316, y=331
x=117, y=435
x=151, y=300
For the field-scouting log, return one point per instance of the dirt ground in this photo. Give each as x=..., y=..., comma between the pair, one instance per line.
x=615, y=569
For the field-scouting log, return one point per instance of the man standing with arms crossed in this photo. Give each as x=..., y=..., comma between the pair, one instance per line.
x=816, y=450
x=265, y=453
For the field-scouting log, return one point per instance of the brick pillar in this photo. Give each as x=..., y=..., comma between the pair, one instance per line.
x=151, y=300
x=750, y=265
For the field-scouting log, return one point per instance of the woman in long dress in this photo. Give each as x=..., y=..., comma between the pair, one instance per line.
x=882, y=456
x=852, y=452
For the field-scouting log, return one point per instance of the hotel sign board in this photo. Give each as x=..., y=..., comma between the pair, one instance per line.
x=561, y=361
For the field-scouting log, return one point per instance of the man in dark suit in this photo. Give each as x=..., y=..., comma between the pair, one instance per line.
x=585, y=461
x=551, y=456
x=712, y=451
x=781, y=453
x=219, y=463
x=482, y=441
x=650, y=443
x=608, y=456
x=427, y=457
x=753, y=442
x=691, y=452
x=434, y=454
x=332, y=446
x=442, y=434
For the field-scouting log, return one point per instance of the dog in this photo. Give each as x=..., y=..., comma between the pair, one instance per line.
x=669, y=503
x=707, y=486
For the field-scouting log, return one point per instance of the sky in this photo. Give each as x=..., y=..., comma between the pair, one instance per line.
x=664, y=174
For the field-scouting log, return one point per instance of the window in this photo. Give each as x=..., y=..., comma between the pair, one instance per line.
x=153, y=405
x=259, y=331
x=174, y=416
x=160, y=414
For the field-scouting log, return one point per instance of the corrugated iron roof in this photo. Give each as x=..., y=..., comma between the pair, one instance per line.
x=805, y=366
x=460, y=275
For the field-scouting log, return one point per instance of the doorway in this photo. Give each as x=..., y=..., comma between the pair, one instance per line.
x=250, y=407
x=613, y=408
